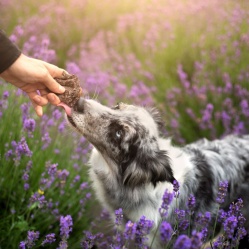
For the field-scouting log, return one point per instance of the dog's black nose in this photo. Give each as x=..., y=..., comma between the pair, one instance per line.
x=79, y=107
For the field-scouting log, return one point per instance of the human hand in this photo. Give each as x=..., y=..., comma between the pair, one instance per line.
x=35, y=77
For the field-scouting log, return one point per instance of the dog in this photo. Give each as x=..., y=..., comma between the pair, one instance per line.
x=132, y=164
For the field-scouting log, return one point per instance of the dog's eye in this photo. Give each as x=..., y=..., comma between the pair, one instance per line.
x=117, y=106
x=118, y=134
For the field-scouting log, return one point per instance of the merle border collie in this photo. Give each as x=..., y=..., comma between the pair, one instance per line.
x=132, y=165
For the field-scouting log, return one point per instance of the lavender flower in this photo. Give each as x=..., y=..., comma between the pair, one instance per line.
x=166, y=200
x=22, y=245
x=9, y=154
x=119, y=216
x=25, y=111
x=21, y=149
x=182, y=222
x=29, y=125
x=84, y=185
x=57, y=114
x=166, y=232
x=219, y=243
x=25, y=176
x=229, y=226
x=61, y=127
x=182, y=242
x=26, y=186
x=203, y=219
x=90, y=239
x=38, y=198
x=191, y=202
x=5, y=95
x=143, y=229
x=176, y=187
x=222, y=192
x=235, y=208
x=32, y=237
x=63, y=174
x=29, y=166
x=222, y=215
x=46, y=139
x=196, y=240
x=52, y=169
x=49, y=239
x=130, y=230
x=63, y=245
x=66, y=224
x=240, y=234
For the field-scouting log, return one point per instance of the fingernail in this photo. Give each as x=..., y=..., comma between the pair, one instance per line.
x=51, y=97
x=37, y=99
x=61, y=88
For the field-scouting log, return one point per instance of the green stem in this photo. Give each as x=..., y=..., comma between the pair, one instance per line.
x=216, y=218
x=155, y=233
x=189, y=224
x=11, y=185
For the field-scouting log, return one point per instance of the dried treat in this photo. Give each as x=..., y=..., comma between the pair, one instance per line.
x=73, y=89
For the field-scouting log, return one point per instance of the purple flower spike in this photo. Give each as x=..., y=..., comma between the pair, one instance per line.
x=29, y=125
x=165, y=232
x=32, y=238
x=167, y=199
x=90, y=239
x=196, y=238
x=63, y=245
x=182, y=242
x=119, y=216
x=26, y=186
x=49, y=239
x=5, y=95
x=143, y=229
x=191, y=202
x=229, y=226
x=176, y=186
x=22, y=245
x=222, y=192
x=130, y=230
x=66, y=224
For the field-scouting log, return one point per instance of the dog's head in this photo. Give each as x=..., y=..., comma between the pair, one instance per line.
x=127, y=136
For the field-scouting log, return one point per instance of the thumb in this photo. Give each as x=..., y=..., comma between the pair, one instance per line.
x=50, y=82
x=53, y=86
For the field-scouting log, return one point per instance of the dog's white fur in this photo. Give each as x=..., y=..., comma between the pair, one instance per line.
x=131, y=165
x=180, y=163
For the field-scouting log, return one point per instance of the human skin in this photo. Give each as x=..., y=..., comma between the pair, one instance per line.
x=36, y=78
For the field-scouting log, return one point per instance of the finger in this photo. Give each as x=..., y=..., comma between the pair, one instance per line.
x=38, y=109
x=37, y=99
x=52, y=85
x=53, y=99
x=54, y=71
x=44, y=92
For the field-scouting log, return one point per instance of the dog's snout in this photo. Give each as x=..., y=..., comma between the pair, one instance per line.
x=79, y=107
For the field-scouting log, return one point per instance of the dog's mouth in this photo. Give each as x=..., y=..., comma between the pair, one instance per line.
x=69, y=118
x=68, y=111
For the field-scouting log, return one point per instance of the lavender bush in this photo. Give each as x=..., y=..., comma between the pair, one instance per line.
x=170, y=54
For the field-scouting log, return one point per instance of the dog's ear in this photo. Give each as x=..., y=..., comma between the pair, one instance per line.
x=156, y=116
x=147, y=168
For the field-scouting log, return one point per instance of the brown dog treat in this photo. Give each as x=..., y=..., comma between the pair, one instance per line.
x=73, y=89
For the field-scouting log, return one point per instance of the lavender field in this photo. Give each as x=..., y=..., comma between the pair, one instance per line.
x=188, y=58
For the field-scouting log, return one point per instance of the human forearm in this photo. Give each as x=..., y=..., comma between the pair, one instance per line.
x=8, y=52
